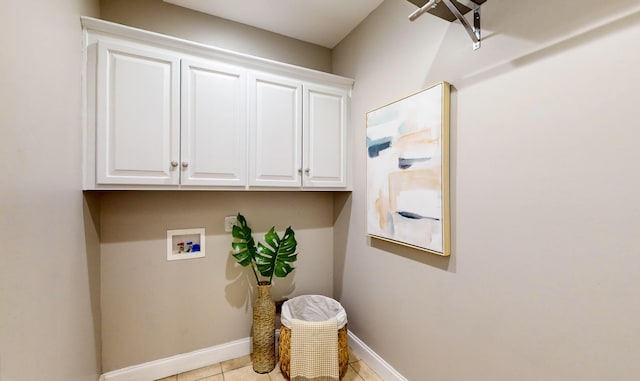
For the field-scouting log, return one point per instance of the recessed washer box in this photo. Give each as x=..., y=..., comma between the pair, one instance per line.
x=185, y=244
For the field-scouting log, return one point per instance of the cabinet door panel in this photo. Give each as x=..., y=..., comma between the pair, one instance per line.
x=137, y=117
x=213, y=124
x=325, y=137
x=275, y=132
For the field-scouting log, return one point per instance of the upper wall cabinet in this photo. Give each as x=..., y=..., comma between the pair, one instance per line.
x=214, y=123
x=325, y=145
x=298, y=133
x=165, y=113
x=137, y=115
x=275, y=151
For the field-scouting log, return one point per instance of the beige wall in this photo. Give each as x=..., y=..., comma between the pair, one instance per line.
x=161, y=17
x=49, y=301
x=153, y=308
x=543, y=280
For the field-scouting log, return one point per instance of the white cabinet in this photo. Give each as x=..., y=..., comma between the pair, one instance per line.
x=163, y=120
x=213, y=139
x=137, y=115
x=275, y=105
x=298, y=133
x=325, y=145
x=165, y=113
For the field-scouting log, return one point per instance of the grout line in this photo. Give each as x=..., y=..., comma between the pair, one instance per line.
x=222, y=372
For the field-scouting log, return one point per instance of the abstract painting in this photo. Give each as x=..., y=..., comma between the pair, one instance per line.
x=408, y=171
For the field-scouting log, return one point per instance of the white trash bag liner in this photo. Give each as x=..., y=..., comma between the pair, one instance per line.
x=312, y=308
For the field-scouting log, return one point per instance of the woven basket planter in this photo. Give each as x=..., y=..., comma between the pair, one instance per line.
x=284, y=347
x=264, y=330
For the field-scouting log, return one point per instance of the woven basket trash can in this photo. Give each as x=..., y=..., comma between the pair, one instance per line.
x=312, y=308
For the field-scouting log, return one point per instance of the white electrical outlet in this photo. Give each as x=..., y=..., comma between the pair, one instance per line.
x=229, y=221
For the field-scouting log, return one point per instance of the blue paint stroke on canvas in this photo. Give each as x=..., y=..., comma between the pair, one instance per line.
x=375, y=146
x=404, y=163
x=415, y=216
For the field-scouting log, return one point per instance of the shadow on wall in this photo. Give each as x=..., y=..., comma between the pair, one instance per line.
x=341, y=222
x=517, y=33
x=342, y=212
x=240, y=292
x=557, y=47
x=91, y=213
x=535, y=22
x=139, y=216
x=433, y=260
x=130, y=216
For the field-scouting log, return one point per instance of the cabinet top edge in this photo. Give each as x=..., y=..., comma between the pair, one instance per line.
x=97, y=25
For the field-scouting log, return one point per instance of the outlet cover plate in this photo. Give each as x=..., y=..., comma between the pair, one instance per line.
x=229, y=221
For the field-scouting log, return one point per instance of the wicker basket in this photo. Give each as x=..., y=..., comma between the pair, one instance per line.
x=284, y=346
x=264, y=330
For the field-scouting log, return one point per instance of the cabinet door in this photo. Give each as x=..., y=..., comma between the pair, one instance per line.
x=325, y=137
x=213, y=137
x=137, y=120
x=275, y=128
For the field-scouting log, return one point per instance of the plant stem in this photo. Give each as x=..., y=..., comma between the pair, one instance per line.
x=253, y=267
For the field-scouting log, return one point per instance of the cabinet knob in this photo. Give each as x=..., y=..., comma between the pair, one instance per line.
x=307, y=170
x=299, y=170
x=185, y=164
x=174, y=163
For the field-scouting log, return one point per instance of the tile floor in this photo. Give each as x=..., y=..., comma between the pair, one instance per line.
x=240, y=369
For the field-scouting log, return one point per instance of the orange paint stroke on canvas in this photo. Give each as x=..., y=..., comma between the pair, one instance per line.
x=382, y=209
x=401, y=181
x=418, y=138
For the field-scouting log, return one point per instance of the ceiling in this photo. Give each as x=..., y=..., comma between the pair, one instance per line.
x=321, y=22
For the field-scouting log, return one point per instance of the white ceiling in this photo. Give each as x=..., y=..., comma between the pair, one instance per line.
x=321, y=22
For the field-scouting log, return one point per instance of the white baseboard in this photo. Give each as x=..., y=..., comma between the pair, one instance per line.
x=375, y=362
x=157, y=369
x=181, y=363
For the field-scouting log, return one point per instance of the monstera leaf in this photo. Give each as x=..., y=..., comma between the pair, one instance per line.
x=276, y=257
x=244, y=247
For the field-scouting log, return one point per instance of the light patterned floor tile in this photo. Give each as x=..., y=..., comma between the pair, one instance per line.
x=198, y=374
x=170, y=378
x=217, y=377
x=365, y=372
x=276, y=374
x=245, y=374
x=240, y=369
x=352, y=356
x=235, y=363
x=351, y=375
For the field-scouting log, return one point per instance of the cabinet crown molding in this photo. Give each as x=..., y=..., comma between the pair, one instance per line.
x=94, y=25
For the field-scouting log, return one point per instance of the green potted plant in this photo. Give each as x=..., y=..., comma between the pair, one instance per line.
x=274, y=257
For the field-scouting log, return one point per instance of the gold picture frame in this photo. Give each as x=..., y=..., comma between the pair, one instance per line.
x=408, y=199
